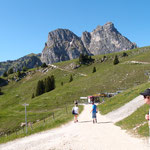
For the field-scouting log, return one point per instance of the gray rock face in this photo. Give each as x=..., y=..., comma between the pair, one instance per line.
x=62, y=45
x=106, y=39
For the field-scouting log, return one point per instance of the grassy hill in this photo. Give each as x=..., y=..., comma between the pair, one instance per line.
x=125, y=76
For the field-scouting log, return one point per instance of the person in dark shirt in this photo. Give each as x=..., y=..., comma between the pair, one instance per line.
x=146, y=95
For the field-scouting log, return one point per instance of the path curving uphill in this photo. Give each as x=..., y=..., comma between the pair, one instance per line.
x=126, y=110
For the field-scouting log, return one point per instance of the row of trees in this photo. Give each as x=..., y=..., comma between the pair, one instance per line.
x=24, y=69
x=11, y=71
x=46, y=85
x=85, y=59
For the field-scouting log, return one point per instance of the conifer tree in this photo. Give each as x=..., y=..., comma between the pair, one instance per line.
x=62, y=83
x=94, y=69
x=71, y=78
x=52, y=82
x=5, y=74
x=116, y=60
x=81, y=59
x=18, y=73
x=48, y=84
x=24, y=69
x=32, y=95
x=40, y=89
x=0, y=91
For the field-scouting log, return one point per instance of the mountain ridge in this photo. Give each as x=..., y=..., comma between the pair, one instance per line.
x=63, y=44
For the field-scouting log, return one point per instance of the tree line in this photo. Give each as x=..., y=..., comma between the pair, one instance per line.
x=46, y=85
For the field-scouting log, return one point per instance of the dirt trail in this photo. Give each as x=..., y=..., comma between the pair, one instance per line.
x=83, y=135
x=126, y=110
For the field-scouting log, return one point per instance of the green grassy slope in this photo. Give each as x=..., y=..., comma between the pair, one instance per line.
x=107, y=78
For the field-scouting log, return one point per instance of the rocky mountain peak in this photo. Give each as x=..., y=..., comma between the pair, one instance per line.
x=106, y=39
x=63, y=44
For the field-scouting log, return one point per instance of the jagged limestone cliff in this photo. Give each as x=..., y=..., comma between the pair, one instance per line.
x=64, y=45
x=106, y=39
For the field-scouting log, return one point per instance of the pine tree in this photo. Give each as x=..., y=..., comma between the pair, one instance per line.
x=94, y=69
x=24, y=69
x=81, y=59
x=116, y=60
x=40, y=89
x=48, y=84
x=18, y=73
x=52, y=82
x=32, y=95
x=5, y=74
x=71, y=78
x=62, y=83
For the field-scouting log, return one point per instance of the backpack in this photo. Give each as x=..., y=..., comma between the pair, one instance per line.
x=73, y=111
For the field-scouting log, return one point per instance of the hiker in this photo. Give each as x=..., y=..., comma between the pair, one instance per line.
x=94, y=111
x=75, y=112
x=146, y=95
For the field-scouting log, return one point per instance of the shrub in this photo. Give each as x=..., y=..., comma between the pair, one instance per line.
x=10, y=71
x=44, y=65
x=25, y=69
x=124, y=54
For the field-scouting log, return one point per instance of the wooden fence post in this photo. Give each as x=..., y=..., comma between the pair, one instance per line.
x=53, y=116
x=66, y=109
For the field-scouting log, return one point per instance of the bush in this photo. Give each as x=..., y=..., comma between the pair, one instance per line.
x=44, y=65
x=124, y=54
x=25, y=69
x=18, y=73
x=10, y=71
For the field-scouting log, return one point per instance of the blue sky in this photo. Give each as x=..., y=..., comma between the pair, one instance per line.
x=25, y=24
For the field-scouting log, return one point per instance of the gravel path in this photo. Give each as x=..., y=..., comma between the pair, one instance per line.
x=126, y=110
x=83, y=135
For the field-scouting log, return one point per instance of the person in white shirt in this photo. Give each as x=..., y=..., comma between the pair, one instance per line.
x=75, y=112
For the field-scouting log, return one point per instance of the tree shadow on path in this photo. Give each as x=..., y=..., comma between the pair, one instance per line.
x=104, y=122
x=97, y=122
x=85, y=121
